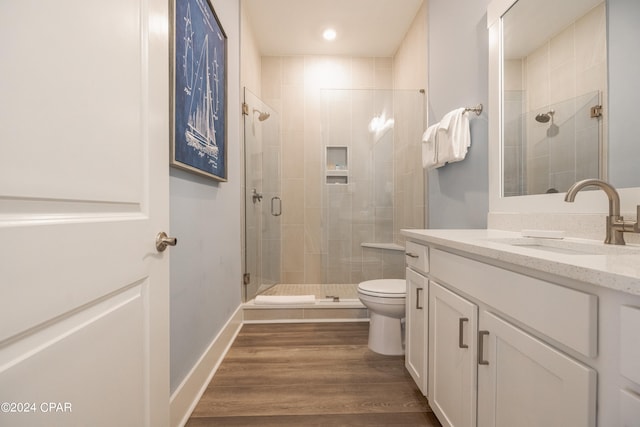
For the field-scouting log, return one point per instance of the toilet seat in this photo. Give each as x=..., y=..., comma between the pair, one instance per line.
x=384, y=288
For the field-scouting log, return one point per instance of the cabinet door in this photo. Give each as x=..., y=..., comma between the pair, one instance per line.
x=416, y=329
x=452, y=362
x=523, y=382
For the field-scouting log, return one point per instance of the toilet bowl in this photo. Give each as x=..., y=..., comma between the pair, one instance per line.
x=385, y=299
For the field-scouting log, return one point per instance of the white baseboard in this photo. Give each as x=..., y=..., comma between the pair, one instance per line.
x=189, y=392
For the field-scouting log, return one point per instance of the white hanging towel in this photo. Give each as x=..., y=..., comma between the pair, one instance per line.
x=430, y=147
x=453, y=137
x=284, y=299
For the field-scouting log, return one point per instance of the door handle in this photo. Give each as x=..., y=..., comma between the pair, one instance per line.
x=418, y=291
x=481, y=359
x=273, y=211
x=461, y=343
x=162, y=241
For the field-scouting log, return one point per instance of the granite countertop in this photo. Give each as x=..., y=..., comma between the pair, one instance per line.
x=589, y=261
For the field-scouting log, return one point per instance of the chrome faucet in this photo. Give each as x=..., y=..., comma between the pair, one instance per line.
x=616, y=225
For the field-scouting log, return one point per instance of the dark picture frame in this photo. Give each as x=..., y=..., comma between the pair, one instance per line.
x=198, y=90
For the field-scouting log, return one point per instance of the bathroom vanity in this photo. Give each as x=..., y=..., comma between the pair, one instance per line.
x=519, y=331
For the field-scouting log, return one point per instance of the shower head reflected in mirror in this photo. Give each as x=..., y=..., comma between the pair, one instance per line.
x=545, y=117
x=261, y=115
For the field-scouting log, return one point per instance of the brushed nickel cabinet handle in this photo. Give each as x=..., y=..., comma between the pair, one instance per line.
x=412, y=255
x=418, y=306
x=481, y=335
x=461, y=343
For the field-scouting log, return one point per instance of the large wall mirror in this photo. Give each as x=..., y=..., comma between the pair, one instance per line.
x=563, y=90
x=554, y=69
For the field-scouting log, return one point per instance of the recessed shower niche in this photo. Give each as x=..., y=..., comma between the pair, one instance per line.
x=337, y=164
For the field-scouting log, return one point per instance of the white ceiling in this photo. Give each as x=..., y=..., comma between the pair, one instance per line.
x=364, y=27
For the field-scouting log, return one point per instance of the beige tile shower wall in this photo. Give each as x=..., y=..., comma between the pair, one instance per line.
x=410, y=73
x=292, y=86
x=571, y=64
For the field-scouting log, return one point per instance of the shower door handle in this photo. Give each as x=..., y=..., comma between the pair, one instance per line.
x=255, y=196
x=273, y=206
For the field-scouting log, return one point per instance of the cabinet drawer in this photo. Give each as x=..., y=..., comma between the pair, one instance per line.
x=417, y=256
x=565, y=315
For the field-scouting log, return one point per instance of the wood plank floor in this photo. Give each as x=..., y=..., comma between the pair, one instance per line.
x=310, y=374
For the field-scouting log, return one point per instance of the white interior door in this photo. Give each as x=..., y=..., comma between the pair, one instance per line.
x=83, y=193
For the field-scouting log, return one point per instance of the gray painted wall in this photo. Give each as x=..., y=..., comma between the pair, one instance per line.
x=624, y=90
x=458, y=193
x=205, y=265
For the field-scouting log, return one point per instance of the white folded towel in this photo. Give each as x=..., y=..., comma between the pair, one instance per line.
x=445, y=148
x=430, y=147
x=447, y=141
x=453, y=136
x=284, y=299
x=460, y=135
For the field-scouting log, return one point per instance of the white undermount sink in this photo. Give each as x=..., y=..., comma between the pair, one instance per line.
x=569, y=246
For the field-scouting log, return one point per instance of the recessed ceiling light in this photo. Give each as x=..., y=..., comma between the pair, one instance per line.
x=329, y=34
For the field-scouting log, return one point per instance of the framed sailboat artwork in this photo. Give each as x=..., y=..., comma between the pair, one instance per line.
x=199, y=95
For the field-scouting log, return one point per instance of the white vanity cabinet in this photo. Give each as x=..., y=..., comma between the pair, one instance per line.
x=417, y=260
x=520, y=379
x=552, y=338
x=493, y=342
x=452, y=357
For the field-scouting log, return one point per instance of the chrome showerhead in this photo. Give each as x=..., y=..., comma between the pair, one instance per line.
x=545, y=117
x=261, y=115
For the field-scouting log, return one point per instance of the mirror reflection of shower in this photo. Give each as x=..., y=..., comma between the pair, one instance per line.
x=553, y=129
x=262, y=116
x=545, y=117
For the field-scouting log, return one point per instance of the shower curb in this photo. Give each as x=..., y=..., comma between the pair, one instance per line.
x=336, y=312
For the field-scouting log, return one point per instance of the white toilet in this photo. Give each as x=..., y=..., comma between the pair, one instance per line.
x=385, y=299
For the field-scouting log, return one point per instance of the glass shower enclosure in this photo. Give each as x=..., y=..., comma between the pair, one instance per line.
x=372, y=183
x=262, y=200
x=358, y=181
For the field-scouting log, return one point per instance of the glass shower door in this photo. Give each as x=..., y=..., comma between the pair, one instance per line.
x=263, y=205
x=373, y=183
